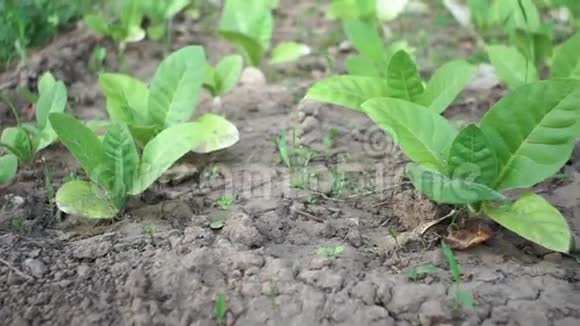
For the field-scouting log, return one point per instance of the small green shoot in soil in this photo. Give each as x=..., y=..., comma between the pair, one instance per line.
x=98, y=59
x=149, y=230
x=331, y=252
x=225, y=202
x=220, y=309
x=217, y=224
x=462, y=297
x=19, y=224
x=419, y=271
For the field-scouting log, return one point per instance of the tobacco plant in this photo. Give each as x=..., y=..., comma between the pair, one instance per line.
x=402, y=81
x=521, y=141
x=22, y=142
x=119, y=20
x=115, y=166
x=248, y=24
x=160, y=14
x=366, y=10
x=170, y=100
x=223, y=78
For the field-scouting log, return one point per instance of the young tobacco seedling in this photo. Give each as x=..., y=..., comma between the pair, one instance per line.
x=248, y=24
x=402, y=82
x=22, y=142
x=170, y=100
x=119, y=20
x=220, y=309
x=524, y=139
x=223, y=78
x=115, y=166
x=160, y=14
x=366, y=10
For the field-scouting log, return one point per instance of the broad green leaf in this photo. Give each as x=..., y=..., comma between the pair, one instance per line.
x=8, y=168
x=472, y=156
x=52, y=99
x=511, y=66
x=446, y=84
x=566, y=60
x=46, y=137
x=176, y=86
x=388, y=10
x=533, y=131
x=360, y=65
x=365, y=39
x=17, y=141
x=215, y=133
x=45, y=82
x=518, y=14
x=252, y=50
x=122, y=161
x=534, y=46
x=353, y=9
x=126, y=98
x=227, y=73
x=248, y=24
x=288, y=52
x=83, y=144
x=158, y=156
x=131, y=16
x=403, y=78
x=532, y=217
x=174, y=7
x=423, y=135
x=97, y=24
x=85, y=199
x=143, y=134
x=442, y=189
x=348, y=91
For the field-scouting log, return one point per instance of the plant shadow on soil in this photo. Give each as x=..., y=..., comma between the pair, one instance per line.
x=162, y=264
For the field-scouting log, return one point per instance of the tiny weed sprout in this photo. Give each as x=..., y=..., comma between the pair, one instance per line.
x=22, y=142
x=170, y=100
x=224, y=77
x=220, y=309
x=248, y=24
x=331, y=252
x=461, y=297
x=419, y=271
x=402, y=82
x=524, y=139
x=225, y=202
x=154, y=120
x=118, y=20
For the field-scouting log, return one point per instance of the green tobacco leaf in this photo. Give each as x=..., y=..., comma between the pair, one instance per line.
x=143, y=134
x=176, y=86
x=513, y=14
x=348, y=91
x=353, y=9
x=534, y=46
x=227, y=73
x=85, y=199
x=46, y=137
x=442, y=189
x=403, y=78
x=248, y=24
x=446, y=84
x=366, y=40
x=566, y=60
x=174, y=7
x=215, y=133
x=8, y=168
x=97, y=24
x=45, y=82
x=423, y=135
x=122, y=160
x=288, y=52
x=511, y=66
x=126, y=98
x=52, y=99
x=533, y=218
x=253, y=51
x=83, y=144
x=533, y=130
x=18, y=142
x=158, y=156
x=472, y=157
x=360, y=65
